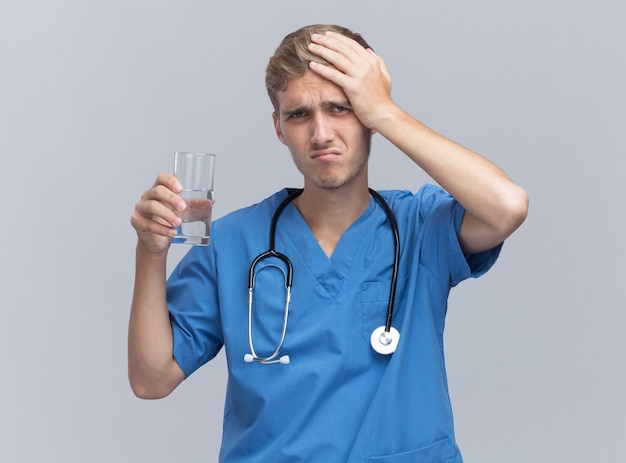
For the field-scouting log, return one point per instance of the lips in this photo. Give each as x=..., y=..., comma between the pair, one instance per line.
x=325, y=155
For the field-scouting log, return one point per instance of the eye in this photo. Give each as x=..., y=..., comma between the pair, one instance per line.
x=296, y=114
x=338, y=109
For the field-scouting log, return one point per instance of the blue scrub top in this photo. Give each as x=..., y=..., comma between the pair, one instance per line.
x=337, y=400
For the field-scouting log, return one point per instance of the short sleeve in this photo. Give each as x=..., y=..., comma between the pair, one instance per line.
x=441, y=216
x=467, y=265
x=194, y=309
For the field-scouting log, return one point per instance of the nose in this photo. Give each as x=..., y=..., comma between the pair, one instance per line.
x=321, y=131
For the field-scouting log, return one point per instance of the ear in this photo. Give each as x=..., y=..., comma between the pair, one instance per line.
x=279, y=132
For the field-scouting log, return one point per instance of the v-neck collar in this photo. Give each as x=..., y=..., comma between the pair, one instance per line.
x=329, y=273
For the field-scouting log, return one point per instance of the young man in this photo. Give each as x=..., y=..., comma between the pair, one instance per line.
x=337, y=399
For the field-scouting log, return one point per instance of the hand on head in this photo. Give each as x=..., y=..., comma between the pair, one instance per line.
x=360, y=72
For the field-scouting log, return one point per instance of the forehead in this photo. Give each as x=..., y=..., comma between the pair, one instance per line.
x=308, y=91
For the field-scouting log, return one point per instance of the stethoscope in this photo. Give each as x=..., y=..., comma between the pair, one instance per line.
x=384, y=339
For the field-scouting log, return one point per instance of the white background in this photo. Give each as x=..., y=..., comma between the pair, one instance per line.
x=96, y=96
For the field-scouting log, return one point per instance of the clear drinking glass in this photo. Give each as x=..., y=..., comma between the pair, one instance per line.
x=195, y=172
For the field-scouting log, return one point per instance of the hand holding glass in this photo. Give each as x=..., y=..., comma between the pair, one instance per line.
x=194, y=171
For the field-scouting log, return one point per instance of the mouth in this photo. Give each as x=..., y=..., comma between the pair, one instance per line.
x=325, y=155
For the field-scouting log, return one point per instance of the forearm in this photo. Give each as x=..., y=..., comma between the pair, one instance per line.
x=153, y=372
x=484, y=190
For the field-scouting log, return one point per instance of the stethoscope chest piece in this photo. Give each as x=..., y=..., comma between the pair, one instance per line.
x=385, y=342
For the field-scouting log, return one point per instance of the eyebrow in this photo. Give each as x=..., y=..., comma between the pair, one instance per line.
x=331, y=103
x=324, y=104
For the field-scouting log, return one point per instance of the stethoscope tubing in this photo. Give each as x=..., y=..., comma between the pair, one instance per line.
x=381, y=337
x=396, y=257
x=271, y=252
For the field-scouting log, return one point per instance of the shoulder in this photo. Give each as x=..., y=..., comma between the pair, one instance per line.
x=242, y=225
x=424, y=202
x=258, y=211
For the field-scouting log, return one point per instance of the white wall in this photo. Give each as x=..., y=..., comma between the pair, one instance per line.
x=96, y=96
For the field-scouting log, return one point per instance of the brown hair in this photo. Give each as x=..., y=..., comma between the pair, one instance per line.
x=291, y=58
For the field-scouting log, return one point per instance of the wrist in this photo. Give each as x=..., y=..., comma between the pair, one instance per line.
x=150, y=254
x=387, y=116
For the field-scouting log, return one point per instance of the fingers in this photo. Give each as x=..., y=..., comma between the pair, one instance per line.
x=157, y=210
x=168, y=180
x=351, y=65
x=345, y=54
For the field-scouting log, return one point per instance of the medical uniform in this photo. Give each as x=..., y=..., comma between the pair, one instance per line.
x=338, y=400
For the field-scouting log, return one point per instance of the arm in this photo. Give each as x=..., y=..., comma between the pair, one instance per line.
x=495, y=206
x=152, y=370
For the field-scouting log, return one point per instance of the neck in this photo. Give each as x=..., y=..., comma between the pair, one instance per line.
x=329, y=213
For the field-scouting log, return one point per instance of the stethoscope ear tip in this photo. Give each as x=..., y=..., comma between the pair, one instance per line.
x=248, y=358
x=285, y=359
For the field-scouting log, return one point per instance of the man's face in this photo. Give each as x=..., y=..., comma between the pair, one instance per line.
x=328, y=143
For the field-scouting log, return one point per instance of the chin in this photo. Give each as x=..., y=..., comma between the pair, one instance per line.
x=330, y=183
